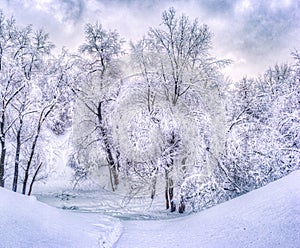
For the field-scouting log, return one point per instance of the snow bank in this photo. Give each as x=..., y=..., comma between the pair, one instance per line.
x=267, y=217
x=25, y=222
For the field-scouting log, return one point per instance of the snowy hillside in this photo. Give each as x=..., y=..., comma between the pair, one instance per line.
x=267, y=217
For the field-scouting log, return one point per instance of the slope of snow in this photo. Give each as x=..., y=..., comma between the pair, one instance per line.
x=267, y=217
x=25, y=222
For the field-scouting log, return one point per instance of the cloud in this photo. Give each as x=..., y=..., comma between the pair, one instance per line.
x=265, y=26
x=219, y=7
x=70, y=10
x=258, y=33
x=63, y=11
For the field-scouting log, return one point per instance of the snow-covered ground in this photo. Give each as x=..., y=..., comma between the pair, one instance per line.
x=26, y=222
x=267, y=217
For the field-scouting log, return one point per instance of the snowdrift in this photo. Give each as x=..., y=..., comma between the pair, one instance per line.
x=26, y=222
x=267, y=217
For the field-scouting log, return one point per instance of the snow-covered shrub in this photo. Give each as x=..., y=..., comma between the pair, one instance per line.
x=199, y=192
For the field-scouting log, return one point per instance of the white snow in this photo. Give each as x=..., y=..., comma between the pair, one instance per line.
x=26, y=222
x=267, y=217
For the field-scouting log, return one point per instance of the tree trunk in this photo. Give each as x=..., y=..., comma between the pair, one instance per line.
x=2, y=163
x=25, y=180
x=169, y=193
x=181, y=207
x=167, y=190
x=3, y=148
x=3, y=131
x=110, y=159
x=176, y=92
x=154, y=181
x=111, y=163
x=34, y=177
x=17, y=157
x=30, y=160
x=42, y=118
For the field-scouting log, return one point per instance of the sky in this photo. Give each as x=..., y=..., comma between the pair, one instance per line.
x=254, y=34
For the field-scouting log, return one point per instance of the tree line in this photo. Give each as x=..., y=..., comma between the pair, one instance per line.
x=161, y=119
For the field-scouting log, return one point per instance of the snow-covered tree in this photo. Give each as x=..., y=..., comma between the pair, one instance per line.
x=262, y=141
x=100, y=54
x=52, y=91
x=13, y=44
x=33, y=85
x=177, y=52
x=101, y=46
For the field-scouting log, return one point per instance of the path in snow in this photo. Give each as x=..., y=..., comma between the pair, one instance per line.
x=267, y=217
